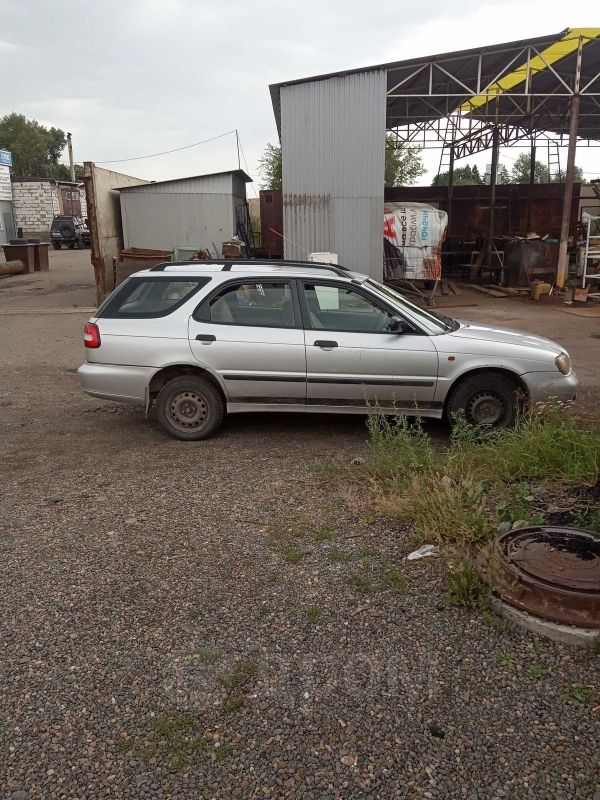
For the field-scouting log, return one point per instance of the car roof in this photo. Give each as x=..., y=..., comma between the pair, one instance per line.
x=225, y=267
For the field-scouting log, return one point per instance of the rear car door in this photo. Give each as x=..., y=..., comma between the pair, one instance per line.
x=354, y=360
x=249, y=333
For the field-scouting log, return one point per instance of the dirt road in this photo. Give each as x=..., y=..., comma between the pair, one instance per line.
x=219, y=620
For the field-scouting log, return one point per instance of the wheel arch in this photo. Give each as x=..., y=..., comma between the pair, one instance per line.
x=502, y=371
x=164, y=375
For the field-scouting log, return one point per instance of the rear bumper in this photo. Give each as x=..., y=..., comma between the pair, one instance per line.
x=548, y=386
x=112, y=382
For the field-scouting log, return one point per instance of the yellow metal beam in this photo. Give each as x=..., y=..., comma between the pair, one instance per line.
x=550, y=55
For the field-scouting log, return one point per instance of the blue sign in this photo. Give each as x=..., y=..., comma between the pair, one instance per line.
x=5, y=158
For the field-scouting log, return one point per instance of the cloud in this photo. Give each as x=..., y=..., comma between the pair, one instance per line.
x=131, y=77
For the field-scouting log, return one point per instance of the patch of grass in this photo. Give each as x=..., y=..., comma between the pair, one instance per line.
x=393, y=579
x=322, y=535
x=234, y=701
x=293, y=555
x=175, y=738
x=124, y=745
x=535, y=672
x=460, y=496
x=193, y=614
x=313, y=614
x=339, y=556
x=490, y=619
x=360, y=583
x=236, y=683
x=546, y=444
x=588, y=520
x=580, y=694
x=506, y=658
x=398, y=445
x=466, y=588
x=442, y=510
x=595, y=648
x=205, y=657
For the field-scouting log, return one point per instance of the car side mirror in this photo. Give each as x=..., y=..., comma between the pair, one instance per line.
x=398, y=325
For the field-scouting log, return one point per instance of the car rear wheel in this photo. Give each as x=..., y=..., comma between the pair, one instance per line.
x=190, y=408
x=56, y=245
x=486, y=399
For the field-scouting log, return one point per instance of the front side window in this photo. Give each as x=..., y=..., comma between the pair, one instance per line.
x=264, y=304
x=339, y=308
x=150, y=297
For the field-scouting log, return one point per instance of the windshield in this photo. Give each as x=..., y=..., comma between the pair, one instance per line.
x=432, y=321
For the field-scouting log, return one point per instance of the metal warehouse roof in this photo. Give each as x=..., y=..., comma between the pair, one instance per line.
x=239, y=173
x=527, y=83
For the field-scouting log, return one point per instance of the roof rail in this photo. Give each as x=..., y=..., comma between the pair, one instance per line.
x=228, y=263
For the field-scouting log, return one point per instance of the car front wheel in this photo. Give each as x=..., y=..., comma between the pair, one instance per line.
x=486, y=398
x=190, y=408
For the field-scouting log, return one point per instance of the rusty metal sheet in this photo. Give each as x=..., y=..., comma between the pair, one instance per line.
x=552, y=572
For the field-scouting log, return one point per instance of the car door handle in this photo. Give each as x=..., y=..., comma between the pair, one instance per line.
x=206, y=337
x=325, y=343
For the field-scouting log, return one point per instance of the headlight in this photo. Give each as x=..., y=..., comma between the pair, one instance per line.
x=563, y=363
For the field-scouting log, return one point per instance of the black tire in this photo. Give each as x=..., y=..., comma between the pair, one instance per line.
x=66, y=230
x=190, y=408
x=56, y=245
x=486, y=398
x=80, y=244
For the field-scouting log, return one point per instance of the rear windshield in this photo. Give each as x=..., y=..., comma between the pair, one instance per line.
x=150, y=297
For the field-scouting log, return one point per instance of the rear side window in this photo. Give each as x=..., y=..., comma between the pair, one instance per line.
x=142, y=298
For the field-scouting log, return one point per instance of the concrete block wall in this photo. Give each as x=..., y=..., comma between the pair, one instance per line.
x=35, y=203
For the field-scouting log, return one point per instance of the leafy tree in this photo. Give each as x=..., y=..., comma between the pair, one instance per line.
x=403, y=164
x=522, y=167
x=520, y=172
x=463, y=176
x=35, y=149
x=269, y=166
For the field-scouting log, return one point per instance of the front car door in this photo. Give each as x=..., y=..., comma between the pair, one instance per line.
x=352, y=358
x=249, y=333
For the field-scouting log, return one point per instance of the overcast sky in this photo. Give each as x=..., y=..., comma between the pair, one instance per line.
x=134, y=77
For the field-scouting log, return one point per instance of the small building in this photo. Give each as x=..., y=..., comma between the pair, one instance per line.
x=199, y=212
x=36, y=202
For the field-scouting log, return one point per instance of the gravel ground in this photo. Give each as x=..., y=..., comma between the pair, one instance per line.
x=217, y=620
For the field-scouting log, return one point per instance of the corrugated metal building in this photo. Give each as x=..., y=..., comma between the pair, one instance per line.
x=333, y=139
x=332, y=130
x=187, y=211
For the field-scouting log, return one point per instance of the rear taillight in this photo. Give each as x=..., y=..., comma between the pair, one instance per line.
x=91, y=335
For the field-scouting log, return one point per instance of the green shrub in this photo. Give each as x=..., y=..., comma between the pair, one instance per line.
x=467, y=589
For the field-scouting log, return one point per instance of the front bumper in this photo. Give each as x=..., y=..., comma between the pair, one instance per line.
x=115, y=382
x=547, y=386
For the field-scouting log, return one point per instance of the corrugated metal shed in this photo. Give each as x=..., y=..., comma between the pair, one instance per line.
x=196, y=211
x=333, y=139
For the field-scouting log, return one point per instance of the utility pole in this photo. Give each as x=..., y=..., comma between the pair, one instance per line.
x=237, y=140
x=71, y=163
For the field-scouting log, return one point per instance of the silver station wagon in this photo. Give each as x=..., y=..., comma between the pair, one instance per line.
x=199, y=339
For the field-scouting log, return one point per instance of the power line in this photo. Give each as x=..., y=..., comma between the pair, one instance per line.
x=167, y=152
x=246, y=164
